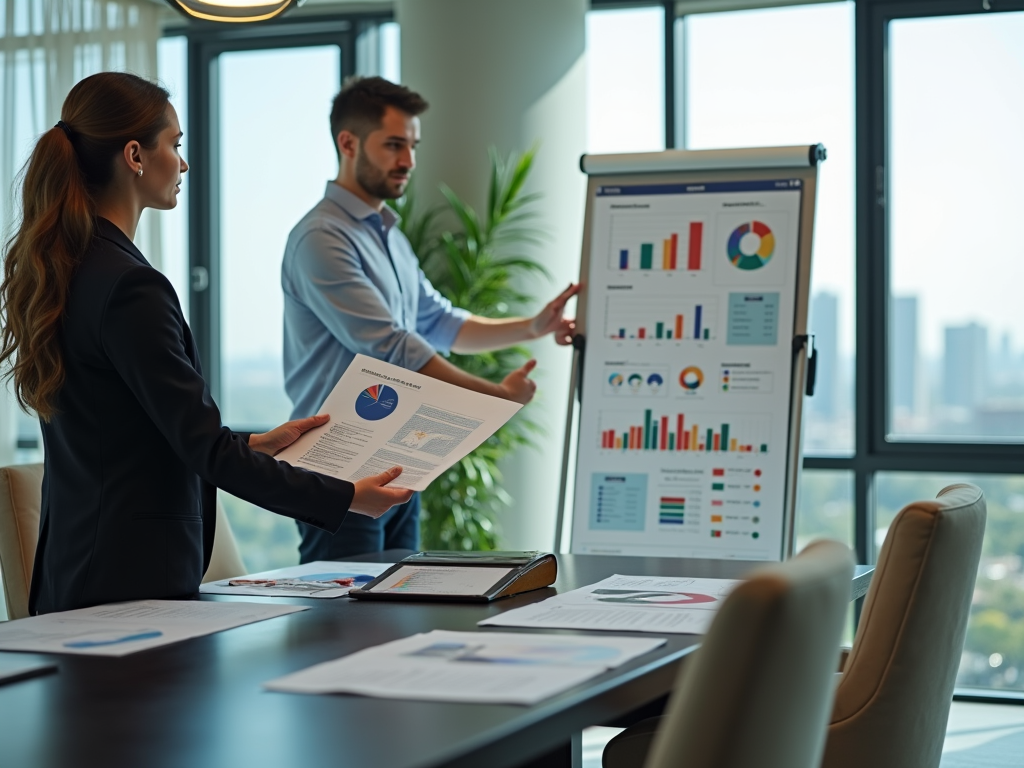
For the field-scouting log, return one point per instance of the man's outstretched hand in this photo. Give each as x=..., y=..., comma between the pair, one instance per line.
x=518, y=385
x=551, y=319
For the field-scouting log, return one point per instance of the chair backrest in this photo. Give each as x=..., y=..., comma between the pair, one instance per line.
x=20, y=502
x=225, y=560
x=757, y=693
x=21, y=490
x=892, y=702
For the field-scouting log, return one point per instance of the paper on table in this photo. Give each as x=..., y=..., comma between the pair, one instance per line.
x=308, y=580
x=122, y=628
x=481, y=667
x=383, y=415
x=627, y=604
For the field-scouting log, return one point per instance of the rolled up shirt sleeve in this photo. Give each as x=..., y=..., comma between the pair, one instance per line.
x=328, y=277
x=437, y=320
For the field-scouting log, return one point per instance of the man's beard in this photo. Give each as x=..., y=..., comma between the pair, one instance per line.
x=373, y=180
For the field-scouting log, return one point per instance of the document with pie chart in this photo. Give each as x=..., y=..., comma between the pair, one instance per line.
x=672, y=604
x=384, y=416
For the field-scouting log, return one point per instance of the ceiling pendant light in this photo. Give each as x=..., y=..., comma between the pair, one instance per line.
x=234, y=10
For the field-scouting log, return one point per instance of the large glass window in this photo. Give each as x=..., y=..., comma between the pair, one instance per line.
x=276, y=155
x=172, y=63
x=739, y=92
x=993, y=654
x=956, y=333
x=626, y=80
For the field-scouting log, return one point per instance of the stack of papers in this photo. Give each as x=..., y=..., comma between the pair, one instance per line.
x=317, y=579
x=478, y=667
x=627, y=604
x=123, y=628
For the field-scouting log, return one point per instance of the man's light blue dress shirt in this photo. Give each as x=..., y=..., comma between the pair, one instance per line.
x=353, y=285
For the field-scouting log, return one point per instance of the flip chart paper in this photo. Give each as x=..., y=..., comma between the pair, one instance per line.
x=383, y=415
x=626, y=604
x=301, y=580
x=480, y=667
x=119, y=629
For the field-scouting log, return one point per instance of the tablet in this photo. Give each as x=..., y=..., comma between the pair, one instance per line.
x=440, y=580
x=455, y=576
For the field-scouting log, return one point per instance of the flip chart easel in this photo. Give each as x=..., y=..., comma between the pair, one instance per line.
x=683, y=436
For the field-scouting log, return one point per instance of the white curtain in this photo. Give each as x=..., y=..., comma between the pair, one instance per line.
x=46, y=46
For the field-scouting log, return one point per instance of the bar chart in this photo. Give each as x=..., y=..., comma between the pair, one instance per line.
x=708, y=433
x=692, y=318
x=653, y=242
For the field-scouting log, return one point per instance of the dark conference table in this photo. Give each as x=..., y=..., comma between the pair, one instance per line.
x=199, y=702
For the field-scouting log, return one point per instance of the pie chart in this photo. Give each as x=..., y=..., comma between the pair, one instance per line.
x=691, y=377
x=376, y=402
x=751, y=245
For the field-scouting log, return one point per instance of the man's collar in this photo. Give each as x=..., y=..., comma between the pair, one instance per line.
x=356, y=207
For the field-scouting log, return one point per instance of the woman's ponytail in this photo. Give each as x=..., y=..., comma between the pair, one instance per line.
x=69, y=164
x=56, y=227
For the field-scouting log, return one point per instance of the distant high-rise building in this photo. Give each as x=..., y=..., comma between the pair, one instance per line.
x=824, y=324
x=965, y=366
x=903, y=353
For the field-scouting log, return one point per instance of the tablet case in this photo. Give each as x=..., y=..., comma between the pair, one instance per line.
x=530, y=571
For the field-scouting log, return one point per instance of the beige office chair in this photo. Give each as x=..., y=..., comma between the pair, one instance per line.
x=756, y=694
x=20, y=500
x=892, y=702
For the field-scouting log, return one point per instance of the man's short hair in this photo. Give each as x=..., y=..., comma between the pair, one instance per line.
x=359, y=107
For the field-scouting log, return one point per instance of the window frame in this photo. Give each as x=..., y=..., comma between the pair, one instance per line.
x=205, y=43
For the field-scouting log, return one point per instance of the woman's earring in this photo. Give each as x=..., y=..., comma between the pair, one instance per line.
x=140, y=171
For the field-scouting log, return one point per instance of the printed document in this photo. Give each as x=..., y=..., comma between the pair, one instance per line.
x=383, y=416
x=627, y=604
x=321, y=579
x=480, y=667
x=119, y=629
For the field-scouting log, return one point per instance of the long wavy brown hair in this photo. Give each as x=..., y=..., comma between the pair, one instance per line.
x=69, y=165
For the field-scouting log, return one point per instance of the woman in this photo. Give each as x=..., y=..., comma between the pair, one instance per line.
x=98, y=347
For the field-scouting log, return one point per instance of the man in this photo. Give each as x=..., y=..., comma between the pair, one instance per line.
x=353, y=285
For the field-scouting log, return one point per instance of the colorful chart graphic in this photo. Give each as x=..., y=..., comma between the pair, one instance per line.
x=646, y=243
x=623, y=380
x=99, y=639
x=744, y=434
x=376, y=402
x=683, y=319
x=751, y=245
x=664, y=599
x=691, y=377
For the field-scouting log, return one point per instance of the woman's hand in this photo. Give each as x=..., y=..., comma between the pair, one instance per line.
x=276, y=440
x=373, y=499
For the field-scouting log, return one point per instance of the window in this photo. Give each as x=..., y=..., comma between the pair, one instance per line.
x=625, y=80
x=276, y=155
x=956, y=333
x=994, y=650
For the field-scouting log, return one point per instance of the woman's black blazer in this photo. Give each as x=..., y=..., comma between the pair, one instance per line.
x=136, y=451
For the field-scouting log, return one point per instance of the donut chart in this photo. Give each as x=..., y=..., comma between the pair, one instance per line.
x=751, y=245
x=376, y=402
x=691, y=377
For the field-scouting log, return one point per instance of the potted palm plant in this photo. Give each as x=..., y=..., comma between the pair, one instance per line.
x=476, y=264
